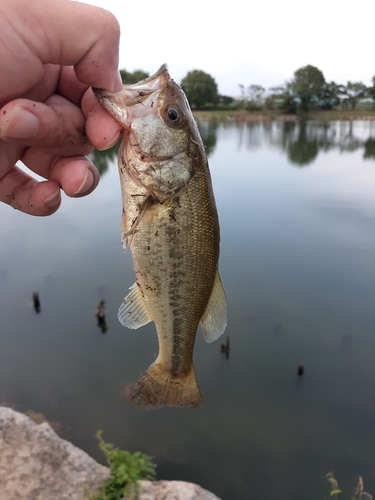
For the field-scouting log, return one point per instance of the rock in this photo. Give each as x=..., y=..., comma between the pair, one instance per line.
x=35, y=464
x=173, y=490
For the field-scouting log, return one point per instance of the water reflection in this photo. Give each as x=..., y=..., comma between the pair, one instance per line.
x=369, y=149
x=36, y=302
x=301, y=141
x=304, y=150
x=208, y=131
x=225, y=348
x=100, y=316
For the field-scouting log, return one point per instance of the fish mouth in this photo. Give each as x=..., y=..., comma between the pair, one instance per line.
x=119, y=104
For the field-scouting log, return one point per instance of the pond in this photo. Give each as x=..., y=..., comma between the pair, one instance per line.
x=296, y=203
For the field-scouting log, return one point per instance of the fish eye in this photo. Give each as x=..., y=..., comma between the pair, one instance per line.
x=173, y=116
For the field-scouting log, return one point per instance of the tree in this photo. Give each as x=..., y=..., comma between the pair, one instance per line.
x=308, y=85
x=255, y=95
x=285, y=93
x=134, y=77
x=352, y=93
x=371, y=90
x=200, y=89
x=330, y=95
x=225, y=100
x=251, y=96
x=243, y=101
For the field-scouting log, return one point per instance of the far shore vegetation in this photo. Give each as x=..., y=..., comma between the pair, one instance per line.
x=306, y=95
x=223, y=115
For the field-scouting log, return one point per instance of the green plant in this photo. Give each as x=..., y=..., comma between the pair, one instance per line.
x=126, y=470
x=359, y=494
x=334, y=486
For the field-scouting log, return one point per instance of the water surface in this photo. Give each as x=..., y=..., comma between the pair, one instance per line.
x=297, y=212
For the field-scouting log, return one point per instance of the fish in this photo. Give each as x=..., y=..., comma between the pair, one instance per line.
x=170, y=223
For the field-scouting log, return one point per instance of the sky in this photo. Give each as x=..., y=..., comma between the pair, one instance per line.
x=247, y=42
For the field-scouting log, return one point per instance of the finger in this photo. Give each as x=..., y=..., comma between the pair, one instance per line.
x=60, y=80
x=55, y=79
x=69, y=86
x=37, y=33
x=76, y=175
x=103, y=131
x=89, y=41
x=30, y=196
x=45, y=87
x=57, y=125
x=24, y=193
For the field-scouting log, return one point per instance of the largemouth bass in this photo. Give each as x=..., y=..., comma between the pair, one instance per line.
x=171, y=226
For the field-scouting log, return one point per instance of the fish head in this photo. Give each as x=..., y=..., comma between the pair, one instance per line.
x=161, y=141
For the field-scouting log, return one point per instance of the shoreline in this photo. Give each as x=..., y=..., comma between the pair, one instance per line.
x=34, y=460
x=242, y=116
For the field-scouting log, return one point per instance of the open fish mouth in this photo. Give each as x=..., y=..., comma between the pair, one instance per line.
x=135, y=93
x=119, y=104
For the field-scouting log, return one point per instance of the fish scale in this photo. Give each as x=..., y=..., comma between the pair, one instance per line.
x=171, y=226
x=170, y=272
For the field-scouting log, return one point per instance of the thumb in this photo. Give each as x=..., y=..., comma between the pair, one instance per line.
x=69, y=33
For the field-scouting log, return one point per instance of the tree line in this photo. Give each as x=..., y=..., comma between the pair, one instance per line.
x=309, y=90
x=200, y=87
x=306, y=91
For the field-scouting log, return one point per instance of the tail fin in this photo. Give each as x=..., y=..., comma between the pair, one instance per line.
x=157, y=388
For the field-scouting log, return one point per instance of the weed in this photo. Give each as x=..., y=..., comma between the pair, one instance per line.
x=126, y=470
x=359, y=494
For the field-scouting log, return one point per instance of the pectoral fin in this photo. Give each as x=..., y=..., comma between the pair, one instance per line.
x=214, y=320
x=132, y=312
x=127, y=235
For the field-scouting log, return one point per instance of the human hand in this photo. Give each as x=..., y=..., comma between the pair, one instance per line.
x=51, y=52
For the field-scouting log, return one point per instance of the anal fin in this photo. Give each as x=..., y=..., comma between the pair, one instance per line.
x=214, y=319
x=132, y=312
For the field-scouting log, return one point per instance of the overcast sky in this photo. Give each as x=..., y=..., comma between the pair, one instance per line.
x=247, y=42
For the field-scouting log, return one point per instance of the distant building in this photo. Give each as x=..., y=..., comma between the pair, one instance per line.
x=367, y=103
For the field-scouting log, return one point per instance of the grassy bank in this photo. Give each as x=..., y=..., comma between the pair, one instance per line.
x=274, y=114
x=338, y=114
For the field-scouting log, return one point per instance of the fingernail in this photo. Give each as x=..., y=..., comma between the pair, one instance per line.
x=53, y=200
x=110, y=144
x=20, y=124
x=87, y=183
